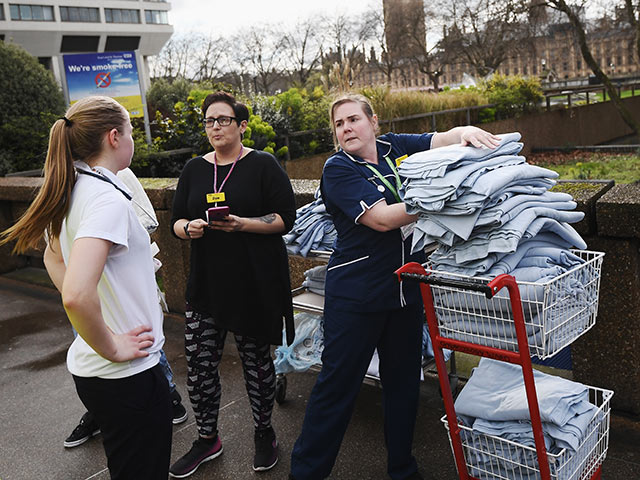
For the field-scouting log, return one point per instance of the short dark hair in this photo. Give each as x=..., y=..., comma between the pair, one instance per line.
x=240, y=110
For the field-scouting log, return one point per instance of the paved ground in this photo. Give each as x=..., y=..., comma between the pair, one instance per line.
x=39, y=407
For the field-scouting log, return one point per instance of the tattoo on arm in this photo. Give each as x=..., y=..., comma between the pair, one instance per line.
x=269, y=218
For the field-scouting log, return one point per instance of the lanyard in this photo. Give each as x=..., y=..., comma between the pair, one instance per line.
x=104, y=179
x=385, y=181
x=154, y=223
x=215, y=171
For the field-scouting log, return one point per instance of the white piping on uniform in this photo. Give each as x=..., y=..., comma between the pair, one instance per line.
x=403, y=302
x=366, y=207
x=388, y=144
x=348, y=263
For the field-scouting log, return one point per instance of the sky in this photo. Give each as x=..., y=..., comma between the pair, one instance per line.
x=227, y=17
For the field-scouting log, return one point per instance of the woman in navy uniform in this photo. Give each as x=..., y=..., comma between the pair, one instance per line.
x=365, y=305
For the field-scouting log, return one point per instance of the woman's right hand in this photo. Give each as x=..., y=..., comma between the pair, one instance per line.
x=132, y=344
x=196, y=228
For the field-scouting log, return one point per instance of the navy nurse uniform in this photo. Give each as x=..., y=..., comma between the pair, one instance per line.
x=365, y=308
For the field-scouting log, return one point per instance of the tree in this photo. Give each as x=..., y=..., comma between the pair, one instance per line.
x=632, y=10
x=260, y=50
x=30, y=101
x=347, y=39
x=303, y=47
x=210, y=57
x=428, y=55
x=389, y=40
x=175, y=60
x=484, y=32
x=163, y=95
x=573, y=12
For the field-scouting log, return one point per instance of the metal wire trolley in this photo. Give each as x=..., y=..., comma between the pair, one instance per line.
x=477, y=316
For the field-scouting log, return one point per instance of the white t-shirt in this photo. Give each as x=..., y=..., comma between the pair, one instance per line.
x=127, y=287
x=141, y=203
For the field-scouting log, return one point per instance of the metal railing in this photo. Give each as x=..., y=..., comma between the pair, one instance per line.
x=418, y=116
x=586, y=93
x=566, y=94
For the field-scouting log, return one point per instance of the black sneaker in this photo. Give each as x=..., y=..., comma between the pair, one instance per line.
x=201, y=451
x=86, y=429
x=266, y=450
x=179, y=412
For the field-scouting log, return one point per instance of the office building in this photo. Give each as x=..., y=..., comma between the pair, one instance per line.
x=48, y=29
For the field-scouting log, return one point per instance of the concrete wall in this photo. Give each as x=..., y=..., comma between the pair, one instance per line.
x=607, y=356
x=580, y=125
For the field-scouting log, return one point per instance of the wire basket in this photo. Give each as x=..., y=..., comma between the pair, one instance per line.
x=555, y=313
x=488, y=457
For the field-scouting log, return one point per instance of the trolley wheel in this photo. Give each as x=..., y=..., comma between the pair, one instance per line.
x=281, y=388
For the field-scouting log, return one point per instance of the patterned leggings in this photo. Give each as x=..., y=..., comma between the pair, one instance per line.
x=204, y=343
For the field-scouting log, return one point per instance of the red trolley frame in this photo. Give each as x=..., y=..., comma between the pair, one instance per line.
x=415, y=271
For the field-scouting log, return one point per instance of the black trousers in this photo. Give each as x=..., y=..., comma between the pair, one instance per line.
x=134, y=415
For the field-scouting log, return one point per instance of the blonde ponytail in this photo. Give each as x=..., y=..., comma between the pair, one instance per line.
x=78, y=135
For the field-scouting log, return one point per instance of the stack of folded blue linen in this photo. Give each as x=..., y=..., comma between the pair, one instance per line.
x=489, y=212
x=314, y=279
x=312, y=230
x=480, y=204
x=493, y=402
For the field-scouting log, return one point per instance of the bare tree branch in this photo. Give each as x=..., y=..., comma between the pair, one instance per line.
x=303, y=47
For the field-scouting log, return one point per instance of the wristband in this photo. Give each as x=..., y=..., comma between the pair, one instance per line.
x=186, y=229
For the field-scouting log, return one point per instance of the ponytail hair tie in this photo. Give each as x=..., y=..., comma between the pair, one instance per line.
x=67, y=122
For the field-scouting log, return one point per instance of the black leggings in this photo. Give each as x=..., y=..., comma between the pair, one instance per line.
x=204, y=343
x=134, y=415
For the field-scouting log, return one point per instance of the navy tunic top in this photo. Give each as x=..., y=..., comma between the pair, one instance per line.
x=360, y=271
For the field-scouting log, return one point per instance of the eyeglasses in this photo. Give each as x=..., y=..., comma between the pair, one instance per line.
x=223, y=121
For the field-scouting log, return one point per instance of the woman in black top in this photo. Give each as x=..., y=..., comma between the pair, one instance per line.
x=239, y=275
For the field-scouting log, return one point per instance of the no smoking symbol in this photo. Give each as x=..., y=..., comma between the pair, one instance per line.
x=103, y=79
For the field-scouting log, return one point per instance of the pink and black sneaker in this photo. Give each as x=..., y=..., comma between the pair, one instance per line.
x=266, y=450
x=201, y=451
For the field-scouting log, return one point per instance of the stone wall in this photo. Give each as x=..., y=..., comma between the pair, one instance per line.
x=607, y=356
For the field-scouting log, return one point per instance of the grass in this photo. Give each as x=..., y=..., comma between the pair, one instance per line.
x=623, y=94
x=622, y=168
x=594, y=97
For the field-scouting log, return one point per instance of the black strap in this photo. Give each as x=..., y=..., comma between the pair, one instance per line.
x=104, y=179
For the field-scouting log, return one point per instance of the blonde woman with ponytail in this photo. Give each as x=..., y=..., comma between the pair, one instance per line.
x=98, y=256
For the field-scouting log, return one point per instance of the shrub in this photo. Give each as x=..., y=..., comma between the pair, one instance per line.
x=183, y=128
x=513, y=95
x=142, y=151
x=259, y=134
x=30, y=101
x=163, y=95
x=297, y=110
